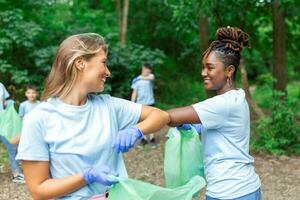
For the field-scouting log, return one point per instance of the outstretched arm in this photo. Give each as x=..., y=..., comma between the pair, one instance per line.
x=183, y=115
x=152, y=119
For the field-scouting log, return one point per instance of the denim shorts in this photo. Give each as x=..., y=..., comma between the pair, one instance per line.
x=256, y=195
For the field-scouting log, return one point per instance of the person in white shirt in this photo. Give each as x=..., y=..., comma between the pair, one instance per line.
x=225, y=122
x=71, y=142
x=31, y=102
x=17, y=175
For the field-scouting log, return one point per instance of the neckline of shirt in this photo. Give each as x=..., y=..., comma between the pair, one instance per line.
x=70, y=107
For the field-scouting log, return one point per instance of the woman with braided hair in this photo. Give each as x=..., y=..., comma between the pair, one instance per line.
x=224, y=121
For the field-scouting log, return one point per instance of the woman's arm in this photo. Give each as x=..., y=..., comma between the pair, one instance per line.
x=152, y=119
x=183, y=115
x=42, y=187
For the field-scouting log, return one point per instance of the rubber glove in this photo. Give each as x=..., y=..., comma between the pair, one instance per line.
x=127, y=138
x=187, y=127
x=98, y=175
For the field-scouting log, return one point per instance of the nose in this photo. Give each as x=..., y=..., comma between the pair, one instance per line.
x=107, y=72
x=204, y=72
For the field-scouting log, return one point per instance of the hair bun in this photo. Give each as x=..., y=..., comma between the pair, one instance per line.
x=233, y=37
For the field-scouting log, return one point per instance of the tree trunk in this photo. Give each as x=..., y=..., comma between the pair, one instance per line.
x=124, y=22
x=119, y=14
x=203, y=33
x=279, y=46
x=253, y=106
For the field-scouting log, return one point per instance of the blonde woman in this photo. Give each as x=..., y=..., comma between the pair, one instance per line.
x=72, y=141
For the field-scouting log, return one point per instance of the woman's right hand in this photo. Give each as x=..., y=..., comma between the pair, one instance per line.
x=99, y=175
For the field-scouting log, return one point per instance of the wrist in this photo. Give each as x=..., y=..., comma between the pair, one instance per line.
x=87, y=175
x=139, y=132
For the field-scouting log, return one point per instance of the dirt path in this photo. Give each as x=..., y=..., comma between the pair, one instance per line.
x=280, y=176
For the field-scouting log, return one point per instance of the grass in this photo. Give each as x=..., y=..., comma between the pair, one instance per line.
x=263, y=95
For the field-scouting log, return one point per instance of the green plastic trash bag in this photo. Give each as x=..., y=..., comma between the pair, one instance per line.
x=183, y=157
x=129, y=189
x=10, y=124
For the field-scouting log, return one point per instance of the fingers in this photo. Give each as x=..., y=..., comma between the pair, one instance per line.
x=123, y=144
x=117, y=144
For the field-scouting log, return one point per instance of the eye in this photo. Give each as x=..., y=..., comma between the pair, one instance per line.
x=210, y=68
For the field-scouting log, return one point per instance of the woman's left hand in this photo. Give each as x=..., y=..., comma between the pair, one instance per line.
x=127, y=138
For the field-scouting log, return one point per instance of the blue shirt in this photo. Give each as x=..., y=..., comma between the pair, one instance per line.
x=26, y=107
x=228, y=166
x=72, y=138
x=144, y=89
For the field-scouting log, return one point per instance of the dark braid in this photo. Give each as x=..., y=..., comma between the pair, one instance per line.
x=228, y=45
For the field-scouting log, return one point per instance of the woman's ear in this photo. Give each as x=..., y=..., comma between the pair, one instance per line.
x=230, y=71
x=79, y=63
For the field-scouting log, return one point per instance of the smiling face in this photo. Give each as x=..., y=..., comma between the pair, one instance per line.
x=214, y=73
x=31, y=95
x=94, y=72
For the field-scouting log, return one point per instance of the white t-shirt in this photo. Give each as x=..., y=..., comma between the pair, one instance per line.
x=72, y=138
x=228, y=166
x=26, y=107
x=144, y=89
x=3, y=95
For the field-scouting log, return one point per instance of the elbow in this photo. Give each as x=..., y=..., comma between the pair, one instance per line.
x=166, y=117
x=37, y=195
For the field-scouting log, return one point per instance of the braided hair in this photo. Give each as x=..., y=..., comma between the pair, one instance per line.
x=228, y=45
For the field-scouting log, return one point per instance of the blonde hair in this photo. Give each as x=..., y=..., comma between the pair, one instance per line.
x=63, y=73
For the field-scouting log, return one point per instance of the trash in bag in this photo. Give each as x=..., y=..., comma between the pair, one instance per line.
x=129, y=189
x=183, y=157
x=10, y=124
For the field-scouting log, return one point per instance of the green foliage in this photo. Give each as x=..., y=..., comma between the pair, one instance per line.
x=177, y=88
x=279, y=132
x=125, y=63
x=263, y=93
x=29, y=39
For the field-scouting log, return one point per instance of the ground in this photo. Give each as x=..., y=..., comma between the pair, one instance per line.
x=280, y=176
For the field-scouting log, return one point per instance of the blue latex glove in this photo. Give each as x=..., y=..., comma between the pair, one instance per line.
x=127, y=138
x=187, y=127
x=136, y=79
x=98, y=175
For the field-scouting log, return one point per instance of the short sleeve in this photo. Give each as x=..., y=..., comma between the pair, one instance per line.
x=212, y=112
x=32, y=145
x=22, y=110
x=134, y=86
x=127, y=112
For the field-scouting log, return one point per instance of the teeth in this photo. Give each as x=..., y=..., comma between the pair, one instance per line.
x=103, y=79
